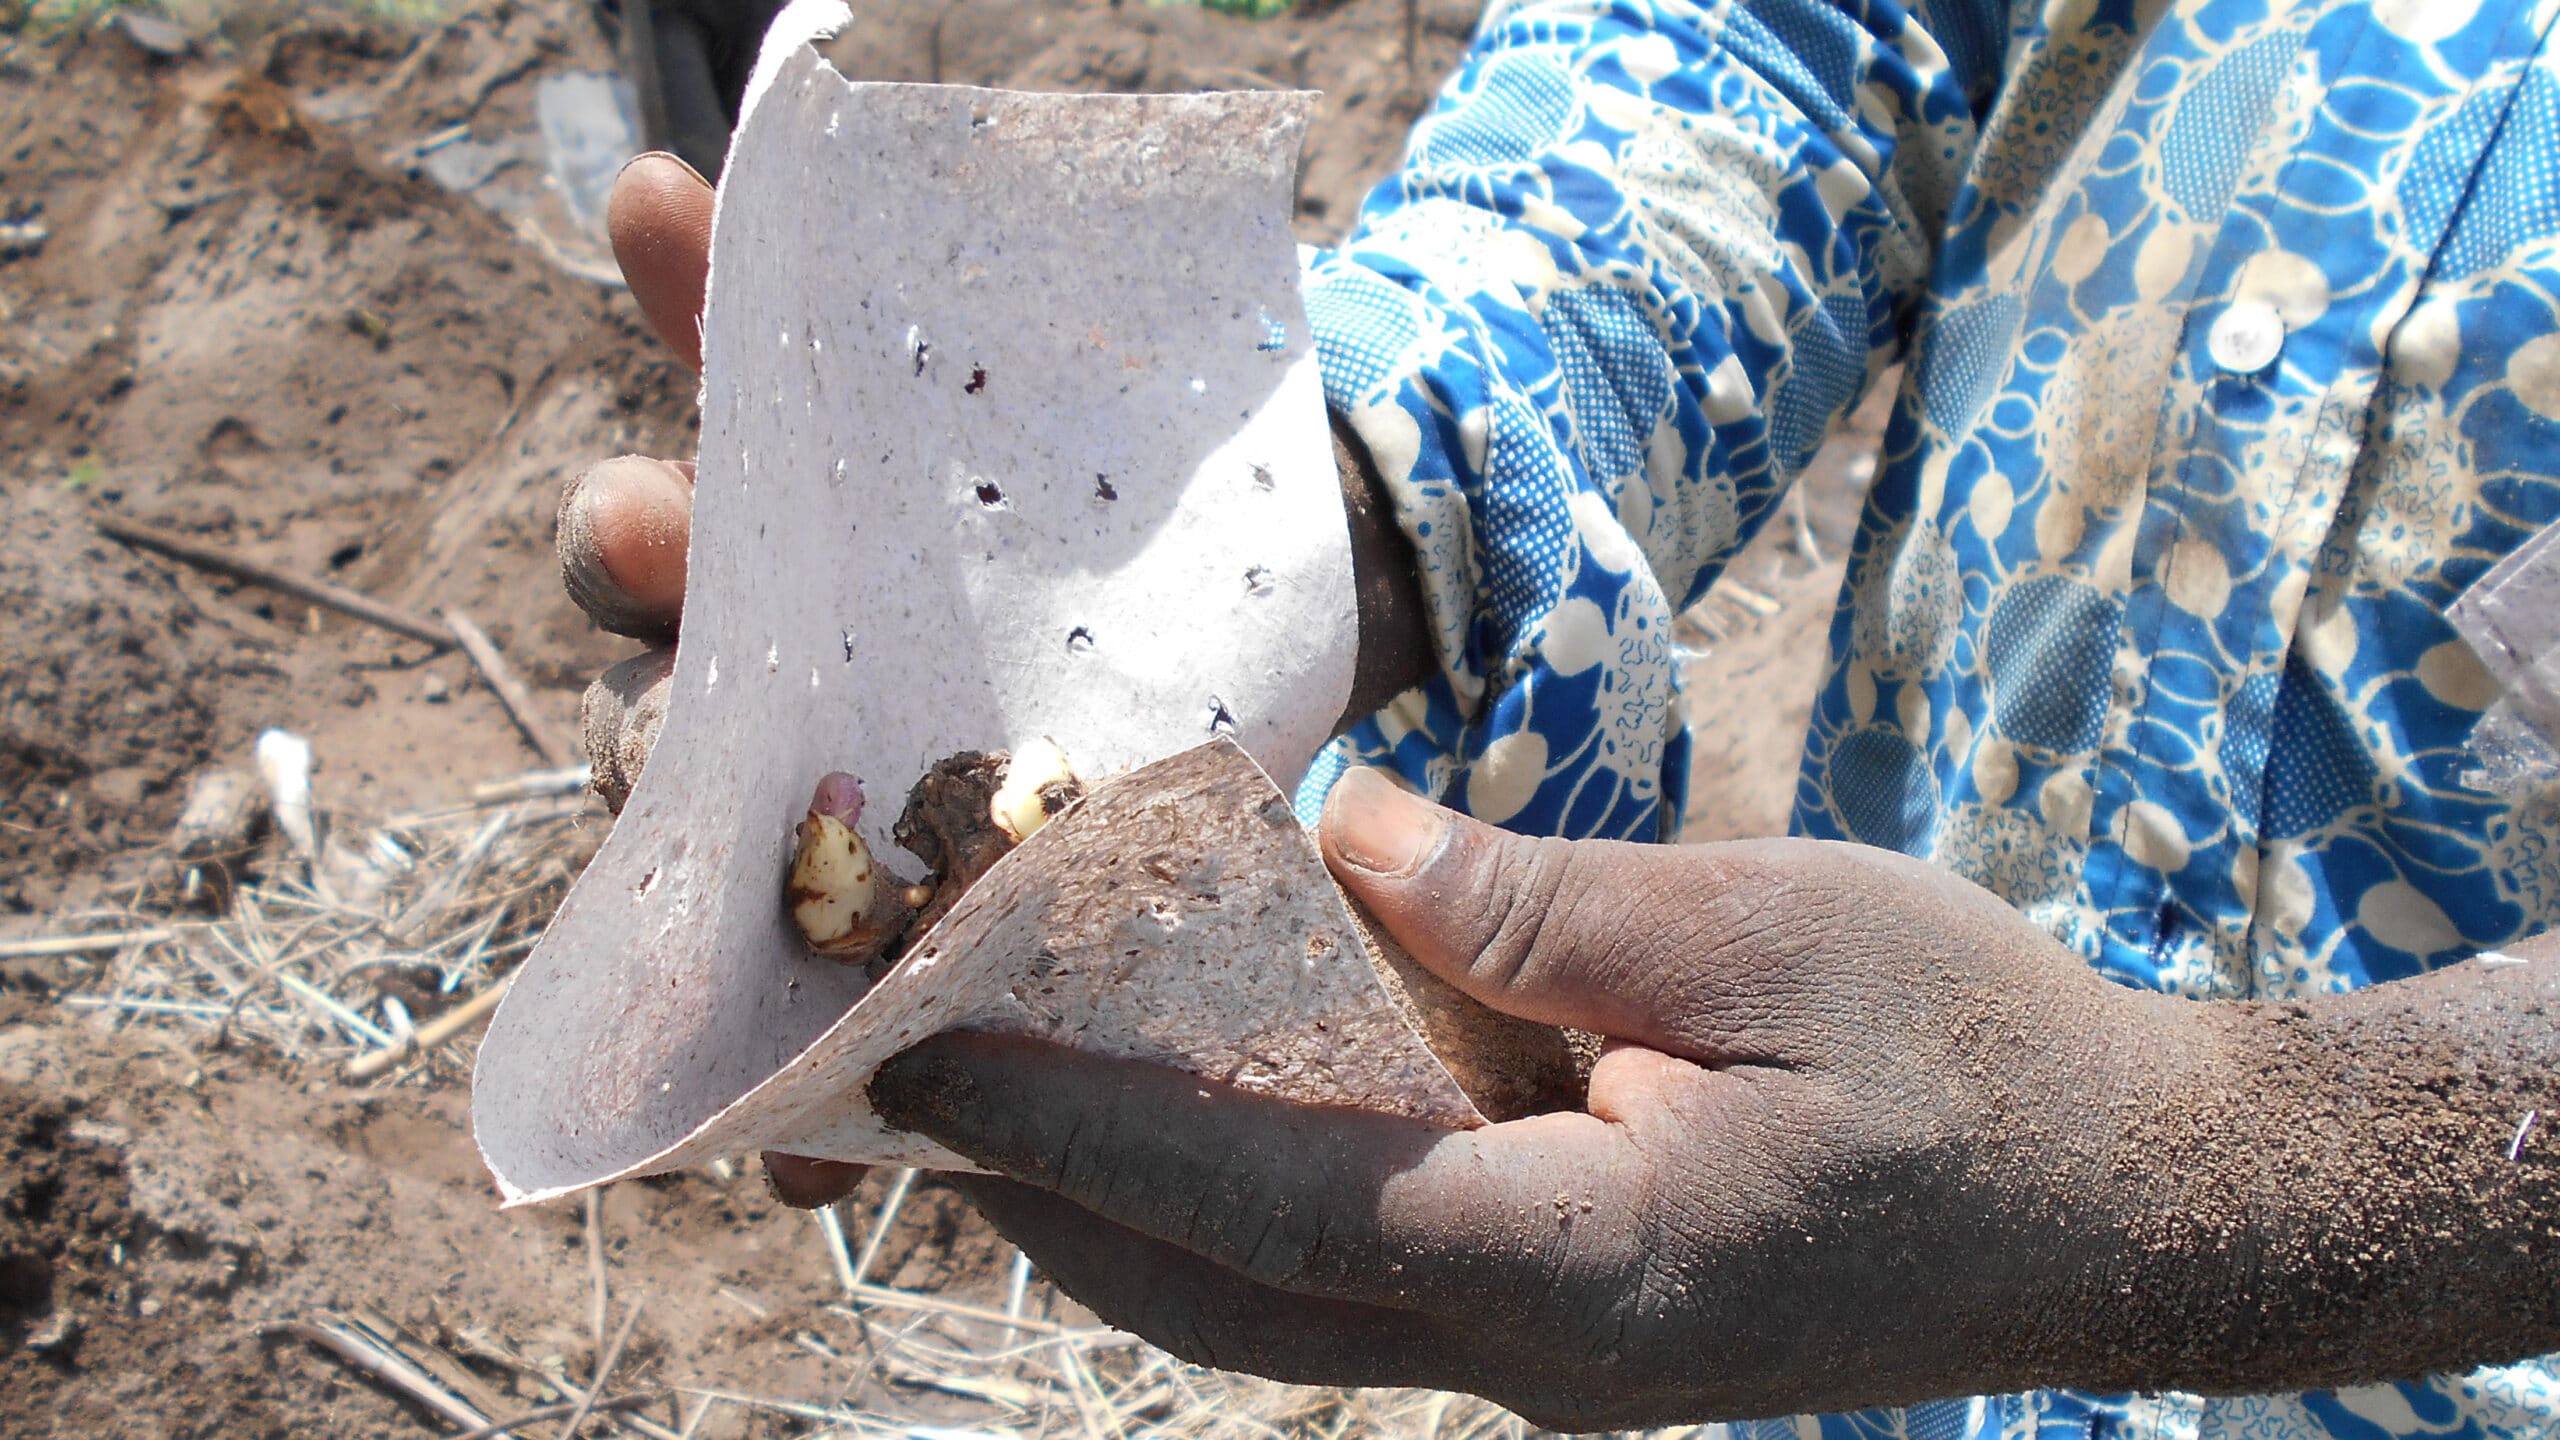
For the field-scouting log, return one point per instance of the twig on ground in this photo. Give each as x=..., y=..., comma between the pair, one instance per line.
x=886, y=1298
x=541, y=1413
x=533, y=785
x=490, y=1348
x=1017, y=1287
x=374, y=1356
x=510, y=691
x=831, y=1230
x=1083, y=1394
x=140, y=1005
x=45, y=945
x=430, y=1357
x=602, y=1297
x=430, y=1035
x=605, y=1362
x=318, y=592
x=321, y=1003
x=440, y=892
x=853, y=1280
x=1752, y=600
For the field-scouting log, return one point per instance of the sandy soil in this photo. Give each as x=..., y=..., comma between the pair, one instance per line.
x=256, y=320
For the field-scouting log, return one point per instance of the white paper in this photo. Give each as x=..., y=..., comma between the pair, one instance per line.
x=1011, y=428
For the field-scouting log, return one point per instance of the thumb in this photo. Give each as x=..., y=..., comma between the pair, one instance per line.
x=1589, y=934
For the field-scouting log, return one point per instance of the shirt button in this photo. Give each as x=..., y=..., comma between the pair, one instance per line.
x=2245, y=337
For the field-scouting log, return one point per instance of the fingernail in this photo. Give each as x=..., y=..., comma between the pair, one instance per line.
x=661, y=155
x=639, y=510
x=921, y=1091
x=591, y=586
x=804, y=1183
x=1379, y=827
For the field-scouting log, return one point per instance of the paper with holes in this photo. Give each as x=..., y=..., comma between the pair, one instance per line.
x=1011, y=427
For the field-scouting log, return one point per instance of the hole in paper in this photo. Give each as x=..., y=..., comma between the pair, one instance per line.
x=990, y=495
x=1257, y=580
x=1275, y=335
x=977, y=379
x=647, y=883
x=918, y=348
x=1104, y=490
x=1079, y=640
x=1222, y=721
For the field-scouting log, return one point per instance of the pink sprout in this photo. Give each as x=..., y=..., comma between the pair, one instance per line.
x=839, y=795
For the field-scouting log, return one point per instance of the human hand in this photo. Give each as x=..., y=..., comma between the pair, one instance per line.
x=625, y=523
x=1861, y=1137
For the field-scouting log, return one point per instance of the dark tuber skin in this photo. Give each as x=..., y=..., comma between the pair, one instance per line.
x=1863, y=1136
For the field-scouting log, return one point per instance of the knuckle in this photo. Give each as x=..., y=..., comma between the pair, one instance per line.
x=619, y=719
x=1590, y=918
x=1518, y=900
x=1282, y=1235
x=1218, y=1326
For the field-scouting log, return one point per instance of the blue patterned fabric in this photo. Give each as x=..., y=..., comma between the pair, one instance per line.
x=2234, y=343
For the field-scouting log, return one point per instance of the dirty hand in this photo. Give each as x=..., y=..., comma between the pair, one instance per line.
x=1852, y=1143
x=625, y=523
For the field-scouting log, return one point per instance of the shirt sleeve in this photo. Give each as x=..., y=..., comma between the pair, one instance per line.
x=1633, y=264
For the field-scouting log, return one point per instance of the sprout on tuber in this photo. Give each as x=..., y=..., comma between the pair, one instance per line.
x=1037, y=784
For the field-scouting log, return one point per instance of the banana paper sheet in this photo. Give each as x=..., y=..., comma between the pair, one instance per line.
x=1011, y=429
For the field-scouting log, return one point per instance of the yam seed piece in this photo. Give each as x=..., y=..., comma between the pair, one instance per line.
x=961, y=817
x=846, y=905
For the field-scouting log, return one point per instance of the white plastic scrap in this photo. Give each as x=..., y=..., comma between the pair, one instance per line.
x=284, y=767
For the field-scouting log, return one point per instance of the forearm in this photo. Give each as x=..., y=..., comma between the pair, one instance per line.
x=2352, y=1190
x=1395, y=640
x=1630, y=267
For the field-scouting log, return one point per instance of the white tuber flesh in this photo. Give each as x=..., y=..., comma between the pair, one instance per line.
x=1037, y=784
x=833, y=881
x=844, y=905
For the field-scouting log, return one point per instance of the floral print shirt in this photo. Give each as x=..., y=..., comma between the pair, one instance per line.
x=2234, y=343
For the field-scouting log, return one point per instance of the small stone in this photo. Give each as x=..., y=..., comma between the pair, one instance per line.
x=122, y=786
x=57, y=1331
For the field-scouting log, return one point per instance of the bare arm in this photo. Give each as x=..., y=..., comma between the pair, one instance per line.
x=2366, y=1190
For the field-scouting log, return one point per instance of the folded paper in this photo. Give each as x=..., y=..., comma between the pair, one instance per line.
x=1011, y=428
